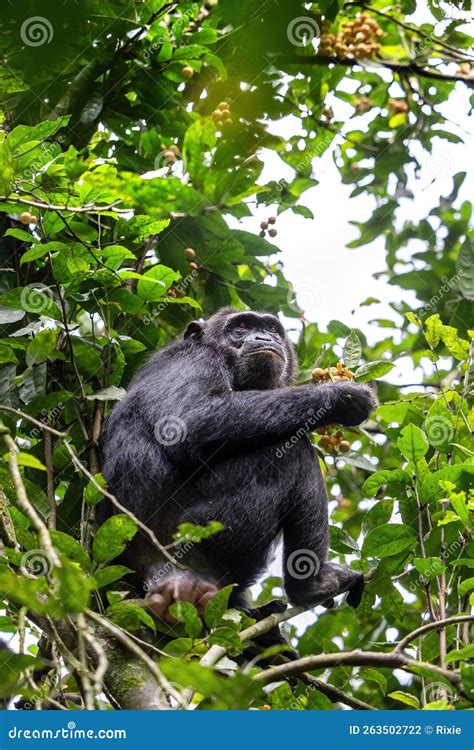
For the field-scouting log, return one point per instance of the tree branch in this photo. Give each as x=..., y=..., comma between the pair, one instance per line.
x=123, y=638
x=430, y=626
x=403, y=68
x=392, y=659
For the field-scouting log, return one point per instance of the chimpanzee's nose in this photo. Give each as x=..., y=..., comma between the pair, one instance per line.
x=263, y=337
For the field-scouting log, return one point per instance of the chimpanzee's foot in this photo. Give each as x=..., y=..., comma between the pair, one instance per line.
x=332, y=579
x=181, y=587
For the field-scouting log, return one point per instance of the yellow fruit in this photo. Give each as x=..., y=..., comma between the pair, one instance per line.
x=189, y=253
x=317, y=373
x=344, y=446
x=194, y=266
x=188, y=72
x=25, y=217
x=219, y=124
x=170, y=156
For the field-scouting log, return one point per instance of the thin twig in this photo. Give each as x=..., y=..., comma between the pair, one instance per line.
x=48, y=460
x=23, y=502
x=87, y=209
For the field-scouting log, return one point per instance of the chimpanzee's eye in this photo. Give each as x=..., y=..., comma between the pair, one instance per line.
x=242, y=327
x=273, y=329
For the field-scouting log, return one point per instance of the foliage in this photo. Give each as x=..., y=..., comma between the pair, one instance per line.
x=132, y=132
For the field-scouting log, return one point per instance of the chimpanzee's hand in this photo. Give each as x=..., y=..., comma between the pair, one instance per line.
x=352, y=403
x=180, y=587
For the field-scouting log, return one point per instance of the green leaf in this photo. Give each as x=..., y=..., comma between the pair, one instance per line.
x=109, y=575
x=26, y=459
x=388, y=539
x=373, y=370
x=38, y=251
x=74, y=586
x=70, y=547
x=24, y=133
x=465, y=269
x=130, y=617
x=92, y=495
x=113, y=393
x=467, y=678
x=407, y=698
x=217, y=607
x=20, y=234
x=42, y=345
x=7, y=169
x=457, y=347
x=227, y=638
x=393, y=479
x=429, y=567
x=433, y=326
x=12, y=667
x=341, y=541
x=460, y=655
x=155, y=282
x=34, y=298
x=466, y=586
x=412, y=443
x=352, y=350
x=109, y=542
x=187, y=614
x=439, y=427
x=190, y=532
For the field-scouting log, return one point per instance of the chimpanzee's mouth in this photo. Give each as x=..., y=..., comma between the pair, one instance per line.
x=265, y=350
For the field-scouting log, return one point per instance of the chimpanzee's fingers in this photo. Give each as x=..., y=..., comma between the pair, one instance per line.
x=158, y=604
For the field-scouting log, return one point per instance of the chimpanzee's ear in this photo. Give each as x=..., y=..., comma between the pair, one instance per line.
x=194, y=330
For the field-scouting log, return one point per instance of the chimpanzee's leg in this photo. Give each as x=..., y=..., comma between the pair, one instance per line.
x=309, y=579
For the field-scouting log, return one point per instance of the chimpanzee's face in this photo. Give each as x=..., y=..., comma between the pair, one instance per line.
x=257, y=350
x=255, y=347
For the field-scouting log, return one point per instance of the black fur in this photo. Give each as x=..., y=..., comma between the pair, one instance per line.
x=242, y=456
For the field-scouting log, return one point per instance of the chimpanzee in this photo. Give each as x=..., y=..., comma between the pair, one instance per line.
x=213, y=429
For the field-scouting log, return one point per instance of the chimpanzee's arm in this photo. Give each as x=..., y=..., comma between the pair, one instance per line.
x=210, y=415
